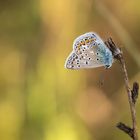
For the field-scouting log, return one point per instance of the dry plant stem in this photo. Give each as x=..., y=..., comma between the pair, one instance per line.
x=131, y=103
x=132, y=94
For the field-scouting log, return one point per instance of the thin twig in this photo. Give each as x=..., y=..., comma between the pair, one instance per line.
x=125, y=129
x=132, y=105
x=119, y=56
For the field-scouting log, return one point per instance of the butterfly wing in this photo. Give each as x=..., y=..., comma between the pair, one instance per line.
x=75, y=61
x=89, y=51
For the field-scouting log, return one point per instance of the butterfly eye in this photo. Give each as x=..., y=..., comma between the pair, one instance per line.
x=97, y=59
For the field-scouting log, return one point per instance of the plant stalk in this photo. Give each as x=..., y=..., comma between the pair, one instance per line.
x=129, y=94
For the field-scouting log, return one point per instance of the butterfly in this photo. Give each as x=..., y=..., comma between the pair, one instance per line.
x=89, y=51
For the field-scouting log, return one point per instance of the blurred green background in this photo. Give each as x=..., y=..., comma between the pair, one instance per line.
x=39, y=99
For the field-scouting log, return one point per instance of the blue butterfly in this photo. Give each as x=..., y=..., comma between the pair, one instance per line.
x=89, y=51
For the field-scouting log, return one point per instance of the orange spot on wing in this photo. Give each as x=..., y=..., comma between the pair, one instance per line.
x=82, y=42
x=87, y=40
x=93, y=39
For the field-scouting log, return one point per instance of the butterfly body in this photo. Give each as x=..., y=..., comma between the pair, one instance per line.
x=89, y=51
